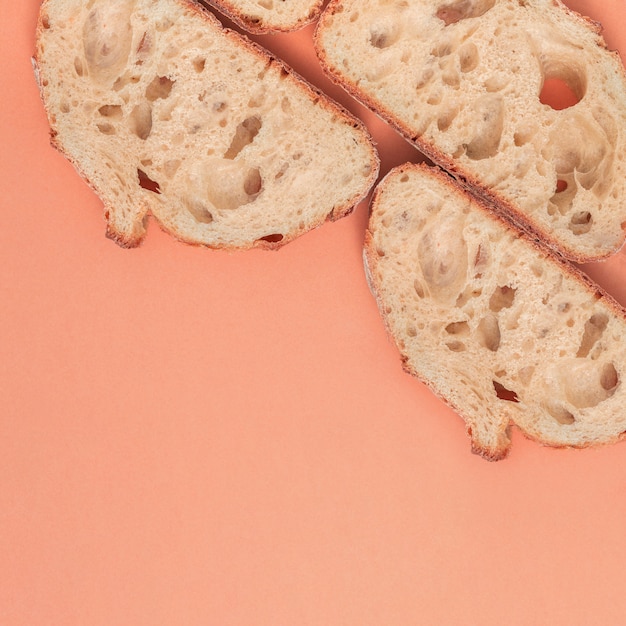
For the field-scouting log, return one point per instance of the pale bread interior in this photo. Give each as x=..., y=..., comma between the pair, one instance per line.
x=266, y=16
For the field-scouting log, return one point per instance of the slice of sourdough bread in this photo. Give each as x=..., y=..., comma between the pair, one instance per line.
x=502, y=329
x=468, y=81
x=270, y=16
x=166, y=113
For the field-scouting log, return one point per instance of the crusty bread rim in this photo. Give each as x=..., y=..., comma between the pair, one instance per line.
x=316, y=95
x=465, y=179
x=370, y=254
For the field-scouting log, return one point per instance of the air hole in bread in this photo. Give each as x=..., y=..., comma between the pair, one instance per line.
x=147, y=183
x=587, y=384
x=454, y=12
x=466, y=295
x=266, y=4
x=384, y=33
x=521, y=138
x=427, y=75
x=489, y=125
x=159, y=88
x=481, y=260
x=496, y=83
x=446, y=118
x=442, y=253
x=79, y=66
x=442, y=48
x=435, y=98
x=107, y=38
x=227, y=184
x=273, y=238
x=503, y=393
x=609, y=379
x=458, y=328
x=253, y=183
x=581, y=222
x=199, y=211
x=419, y=289
x=257, y=100
x=282, y=171
x=199, y=64
x=456, y=346
x=488, y=331
x=121, y=82
x=468, y=57
x=144, y=46
x=594, y=329
x=112, y=111
x=558, y=94
x=502, y=298
x=449, y=73
x=285, y=105
x=244, y=136
x=106, y=129
x=561, y=415
x=140, y=120
x=563, y=198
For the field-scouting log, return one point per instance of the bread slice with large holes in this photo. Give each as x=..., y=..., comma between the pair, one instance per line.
x=479, y=86
x=500, y=327
x=166, y=113
x=270, y=16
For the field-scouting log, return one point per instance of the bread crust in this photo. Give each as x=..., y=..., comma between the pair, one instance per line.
x=131, y=239
x=471, y=182
x=372, y=256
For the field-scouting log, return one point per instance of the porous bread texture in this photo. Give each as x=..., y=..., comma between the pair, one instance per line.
x=270, y=16
x=166, y=113
x=502, y=329
x=463, y=80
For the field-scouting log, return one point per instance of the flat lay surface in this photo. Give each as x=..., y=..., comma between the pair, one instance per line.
x=198, y=437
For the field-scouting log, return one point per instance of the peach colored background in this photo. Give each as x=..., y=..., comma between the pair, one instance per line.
x=191, y=437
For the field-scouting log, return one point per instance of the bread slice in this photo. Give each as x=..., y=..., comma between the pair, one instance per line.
x=501, y=328
x=270, y=16
x=166, y=113
x=469, y=81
